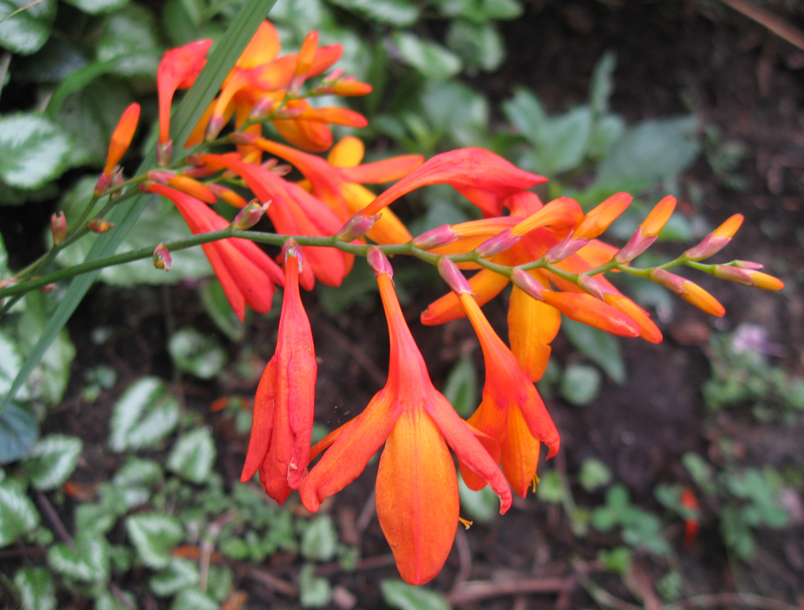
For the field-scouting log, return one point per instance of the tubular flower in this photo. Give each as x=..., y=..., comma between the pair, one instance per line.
x=246, y=273
x=279, y=447
x=482, y=177
x=417, y=488
x=178, y=70
x=118, y=145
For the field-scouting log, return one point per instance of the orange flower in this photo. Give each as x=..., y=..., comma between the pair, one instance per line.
x=246, y=273
x=482, y=177
x=178, y=70
x=511, y=412
x=417, y=488
x=121, y=137
x=279, y=447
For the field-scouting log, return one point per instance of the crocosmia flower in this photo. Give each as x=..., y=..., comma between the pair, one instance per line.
x=417, y=487
x=279, y=447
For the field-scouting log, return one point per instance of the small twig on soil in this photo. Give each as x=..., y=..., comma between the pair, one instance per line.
x=476, y=591
x=465, y=558
x=727, y=599
x=272, y=582
x=367, y=514
x=53, y=517
x=772, y=22
x=604, y=598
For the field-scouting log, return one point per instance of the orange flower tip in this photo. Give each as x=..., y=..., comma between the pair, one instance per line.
x=162, y=258
x=292, y=249
x=58, y=225
x=527, y=283
x=122, y=136
x=748, y=277
x=379, y=263
x=569, y=246
x=164, y=151
x=250, y=215
x=99, y=225
x=351, y=88
x=499, y=243
x=658, y=217
x=730, y=227
x=599, y=219
x=453, y=277
x=357, y=226
x=704, y=301
x=435, y=238
x=227, y=195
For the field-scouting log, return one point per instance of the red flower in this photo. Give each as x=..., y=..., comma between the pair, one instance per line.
x=279, y=447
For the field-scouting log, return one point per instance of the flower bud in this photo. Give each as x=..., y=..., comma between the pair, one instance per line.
x=162, y=258
x=435, y=238
x=716, y=240
x=99, y=225
x=568, y=246
x=599, y=218
x=351, y=88
x=528, y=284
x=379, y=263
x=593, y=287
x=244, y=139
x=250, y=215
x=357, y=226
x=292, y=249
x=648, y=230
x=453, y=277
x=58, y=225
x=499, y=243
x=121, y=137
x=689, y=291
x=227, y=195
x=748, y=277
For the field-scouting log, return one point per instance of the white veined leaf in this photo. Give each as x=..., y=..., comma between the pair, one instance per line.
x=19, y=430
x=18, y=515
x=315, y=591
x=320, y=540
x=193, y=599
x=138, y=472
x=178, y=575
x=27, y=31
x=36, y=589
x=403, y=596
x=33, y=150
x=119, y=600
x=53, y=460
x=144, y=415
x=87, y=560
x=193, y=455
x=197, y=353
x=154, y=537
x=94, y=7
x=432, y=60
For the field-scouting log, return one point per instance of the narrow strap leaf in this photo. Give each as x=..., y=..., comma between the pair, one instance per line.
x=223, y=57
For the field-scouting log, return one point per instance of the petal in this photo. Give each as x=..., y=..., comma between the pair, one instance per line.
x=417, y=497
x=532, y=326
x=587, y=309
x=519, y=455
x=388, y=170
x=347, y=153
x=261, y=422
x=263, y=47
x=485, y=284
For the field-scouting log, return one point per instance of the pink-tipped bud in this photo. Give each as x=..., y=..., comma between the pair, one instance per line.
x=250, y=215
x=333, y=76
x=435, y=238
x=287, y=113
x=379, y=263
x=356, y=227
x=748, y=277
x=214, y=127
x=453, y=277
x=227, y=195
x=748, y=265
x=291, y=249
x=528, y=284
x=99, y=225
x=599, y=218
x=648, y=231
x=162, y=258
x=103, y=184
x=351, y=88
x=58, y=225
x=160, y=176
x=48, y=288
x=262, y=108
x=244, y=139
x=716, y=240
x=499, y=243
x=569, y=246
x=689, y=291
x=593, y=287
x=164, y=151
x=635, y=246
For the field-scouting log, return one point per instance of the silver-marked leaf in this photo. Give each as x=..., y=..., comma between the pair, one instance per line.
x=403, y=596
x=433, y=61
x=36, y=589
x=193, y=455
x=197, y=353
x=154, y=536
x=179, y=574
x=320, y=540
x=399, y=13
x=33, y=150
x=53, y=460
x=194, y=599
x=87, y=560
x=580, y=384
x=28, y=30
x=314, y=591
x=18, y=431
x=144, y=415
x=130, y=35
x=94, y=7
x=18, y=515
x=137, y=472
x=117, y=600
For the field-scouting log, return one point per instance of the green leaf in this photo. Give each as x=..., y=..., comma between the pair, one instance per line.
x=117, y=600
x=28, y=30
x=320, y=540
x=87, y=560
x=482, y=505
x=616, y=560
x=193, y=455
x=197, y=353
x=403, y=596
x=154, y=536
x=479, y=45
x=602, y=83
x=53, y=460
x=399, y=13
x=18, y=515
x=125, y=216
x=652, y=151
x=33, y=150
x=36, y=589
x=580, y=384
x=430, y=59
x=194, y=599
x=181, y=20
x=601, y=348
x=18, y=430
x=130, y=37
x=138, y=472
x=145, y=414
x=565, y=142
x=179, y=574
x=549, y=488
x=594, y=474
x=527, y=114
x=460, y=388
x=218, y=308
x=94, y=7
x=314, y=591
